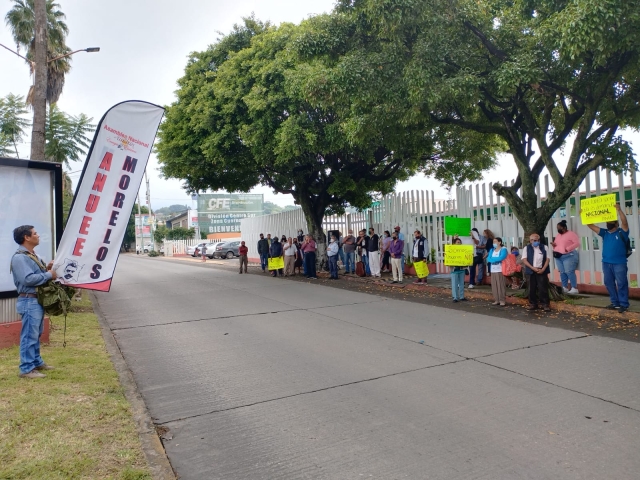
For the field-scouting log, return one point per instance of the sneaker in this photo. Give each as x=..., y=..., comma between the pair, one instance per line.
x=395, y=281
x=612, y=307
x=573, y=291
x=471, y=286
x=623, y=309
x=32, y=374
x=464, y=299
x=546, y=308
x=455, y=300
x=565, y=290
x=44, y=366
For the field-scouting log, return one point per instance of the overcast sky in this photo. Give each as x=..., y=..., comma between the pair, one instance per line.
x=144, y=46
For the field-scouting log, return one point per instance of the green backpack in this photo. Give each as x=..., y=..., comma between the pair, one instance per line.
x=54, y=297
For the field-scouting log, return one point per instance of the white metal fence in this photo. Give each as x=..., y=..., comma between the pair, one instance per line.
x=419, y=209
x=179, y=247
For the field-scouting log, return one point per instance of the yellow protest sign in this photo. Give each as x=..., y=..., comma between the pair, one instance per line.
x=458, y=255
x=422, y=269
x=598, y=209
x=276, y=263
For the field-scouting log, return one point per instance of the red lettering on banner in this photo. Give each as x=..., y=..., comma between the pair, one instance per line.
x=98, y=184
x=92, y=203
x=77, y=250
x=106, y=162
x=84, y=226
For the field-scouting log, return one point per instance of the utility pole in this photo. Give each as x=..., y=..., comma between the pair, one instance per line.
x=151, y=219
x=40, y=82
x=139, y=219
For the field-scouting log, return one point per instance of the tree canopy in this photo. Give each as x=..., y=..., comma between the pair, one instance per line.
x=546, y=76
x=256, y=108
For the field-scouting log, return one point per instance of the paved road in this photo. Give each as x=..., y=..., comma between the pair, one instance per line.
x=262, y=378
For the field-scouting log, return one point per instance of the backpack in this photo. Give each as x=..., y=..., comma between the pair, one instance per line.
x=509, y=266
x=54, y=297
x=627, y=244
x=360, y=270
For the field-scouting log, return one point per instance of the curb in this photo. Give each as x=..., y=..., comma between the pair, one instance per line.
x=152, y=447
x=631, y=317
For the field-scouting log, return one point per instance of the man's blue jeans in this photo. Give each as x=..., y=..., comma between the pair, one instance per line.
x=32, y=315
x=567, y=265
x=365, y=260
x=264, y=260
x=333, y=266
x=615, y=279
x=304, y=263
x=350, y=265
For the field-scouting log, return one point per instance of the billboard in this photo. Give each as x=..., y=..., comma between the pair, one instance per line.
x=30, y=194
x=222, y=212
x=143, y=223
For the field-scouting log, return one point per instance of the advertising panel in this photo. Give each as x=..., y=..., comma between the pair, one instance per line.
x=222, y=212
x=30, y=194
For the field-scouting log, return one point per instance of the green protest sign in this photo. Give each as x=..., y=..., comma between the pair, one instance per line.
x=457, y=226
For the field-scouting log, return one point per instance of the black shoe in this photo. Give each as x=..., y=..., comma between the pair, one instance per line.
x=464, y=300
x=455, y=301
x=612, y=307
x=623, y=309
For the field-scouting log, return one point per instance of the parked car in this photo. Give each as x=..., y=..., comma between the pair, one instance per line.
x=211, y=249
x=146, y=249
x=227, y=250
x=192, y=250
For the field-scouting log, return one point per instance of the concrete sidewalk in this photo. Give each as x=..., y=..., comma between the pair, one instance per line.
x=263, y=378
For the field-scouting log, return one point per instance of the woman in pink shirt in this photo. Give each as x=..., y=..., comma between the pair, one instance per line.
x=565, y=251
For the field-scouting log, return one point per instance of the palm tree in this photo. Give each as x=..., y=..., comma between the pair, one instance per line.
x=21, y=20
x=66, y=136
x=12, y=123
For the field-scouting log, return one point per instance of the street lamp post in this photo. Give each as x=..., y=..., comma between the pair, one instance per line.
x=39, y=101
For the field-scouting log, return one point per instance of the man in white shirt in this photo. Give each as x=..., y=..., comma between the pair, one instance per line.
x=289, y=257
x=332, y=254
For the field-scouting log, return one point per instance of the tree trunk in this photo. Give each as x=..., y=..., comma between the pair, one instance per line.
x=40, y=83
x=315, y=215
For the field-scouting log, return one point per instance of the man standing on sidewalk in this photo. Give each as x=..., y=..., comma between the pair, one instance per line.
x=374, y=253
x=400, y=237
x=309, y=248
x=243, y=251
x=263, y=251
x=395, y=249
x=420, y=247
x=349, y=246
x=332, y=255
x=290, y=251
x=29, y=272
x=615, y=244
x=536, y=262
x=363, y=245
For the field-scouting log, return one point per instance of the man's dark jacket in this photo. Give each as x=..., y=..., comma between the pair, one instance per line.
x=263, y=246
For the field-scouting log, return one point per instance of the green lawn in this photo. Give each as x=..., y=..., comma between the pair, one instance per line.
x=76, y=423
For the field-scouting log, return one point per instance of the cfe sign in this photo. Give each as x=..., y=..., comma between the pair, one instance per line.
x=106, y=193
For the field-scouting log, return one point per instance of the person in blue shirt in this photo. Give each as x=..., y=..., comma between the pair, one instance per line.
x=494, y=257
x=29, y=271
x=614, y=260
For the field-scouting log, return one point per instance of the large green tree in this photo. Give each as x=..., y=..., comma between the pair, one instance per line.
x=548, y=77
x=66, y=136
x=253, y=109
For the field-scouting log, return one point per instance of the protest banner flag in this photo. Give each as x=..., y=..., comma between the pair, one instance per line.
x=598, y=209
x=457, y=226
x=107, y=190
x=458, y=255
x=422, y=269
x=276, y=263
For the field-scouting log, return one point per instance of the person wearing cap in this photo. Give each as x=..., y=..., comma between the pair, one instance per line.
x=395, y=249
x=400, y=237
x=243, y=251
x=419, y=253
x=565, y=251
x=263, y=251
x=615, y=240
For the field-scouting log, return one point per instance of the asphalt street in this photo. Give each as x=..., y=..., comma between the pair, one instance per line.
x=263, y=378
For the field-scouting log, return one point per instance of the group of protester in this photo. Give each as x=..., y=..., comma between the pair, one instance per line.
x=508, y=267
x=298, y=252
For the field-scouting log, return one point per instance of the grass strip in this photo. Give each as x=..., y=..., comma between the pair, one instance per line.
x=76, y=423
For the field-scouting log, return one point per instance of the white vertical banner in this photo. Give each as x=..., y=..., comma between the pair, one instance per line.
x=90, y=245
